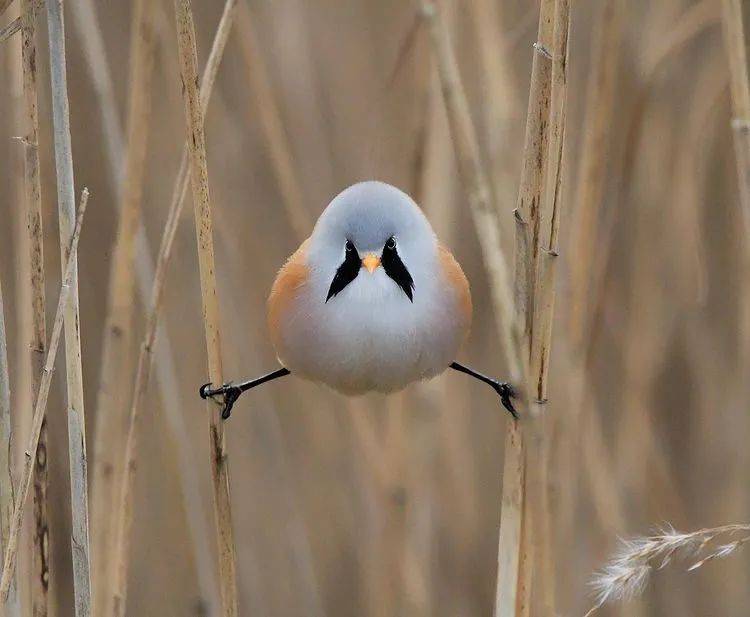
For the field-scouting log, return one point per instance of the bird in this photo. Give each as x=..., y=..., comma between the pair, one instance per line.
x=371, y=301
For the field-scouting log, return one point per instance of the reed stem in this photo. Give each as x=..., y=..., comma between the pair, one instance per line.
x=38, y=343
x=10, y=606
x=111, y=404
x=124, y=504
x=74, y=372
x=40, y=404
x=204, y=230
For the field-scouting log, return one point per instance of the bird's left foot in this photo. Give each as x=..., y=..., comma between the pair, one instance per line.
x=506, y=392
x=227, y=396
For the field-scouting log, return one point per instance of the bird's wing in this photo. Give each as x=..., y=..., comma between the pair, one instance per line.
x=456, y=280
x=293, y=275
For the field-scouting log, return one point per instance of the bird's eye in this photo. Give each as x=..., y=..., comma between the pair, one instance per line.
x=391, y=243
x=349, y=246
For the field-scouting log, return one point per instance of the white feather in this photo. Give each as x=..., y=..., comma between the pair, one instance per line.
x=371, y=336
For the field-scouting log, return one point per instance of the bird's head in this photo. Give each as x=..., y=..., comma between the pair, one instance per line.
x=374, y=235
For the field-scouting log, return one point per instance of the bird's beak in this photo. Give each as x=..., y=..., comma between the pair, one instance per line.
x=371, y=261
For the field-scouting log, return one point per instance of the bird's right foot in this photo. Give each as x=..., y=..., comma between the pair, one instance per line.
x=506, y=392
x=226, y=396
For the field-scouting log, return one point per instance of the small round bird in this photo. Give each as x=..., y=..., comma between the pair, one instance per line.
x=370, y=302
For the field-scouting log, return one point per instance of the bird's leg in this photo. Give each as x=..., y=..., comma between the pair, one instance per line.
x=230, y=392
x=505, y=390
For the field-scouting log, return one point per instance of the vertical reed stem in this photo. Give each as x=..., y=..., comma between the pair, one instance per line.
x=586, y=233
x=124, y=503
x=513, y=593
x=40, y=404
x=66, y=206
x=118, y=330
x=513, y=583
x=273, y=127
x=38, y=344
x=591, y=173
x=204, y=231
x=544, y=304
x=736, y=46
x=10, y=607
x=89, y=30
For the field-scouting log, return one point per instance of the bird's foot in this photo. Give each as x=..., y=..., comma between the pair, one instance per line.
x=226, y=396
x=506, y=392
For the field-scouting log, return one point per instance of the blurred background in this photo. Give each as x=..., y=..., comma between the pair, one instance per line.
x=390, y=506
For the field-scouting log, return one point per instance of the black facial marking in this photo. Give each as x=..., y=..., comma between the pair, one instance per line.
x=396, y=269
x=346, y=272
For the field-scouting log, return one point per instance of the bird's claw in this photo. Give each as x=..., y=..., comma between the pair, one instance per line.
x=506, y=392
x=228, y=392
x=205, y=390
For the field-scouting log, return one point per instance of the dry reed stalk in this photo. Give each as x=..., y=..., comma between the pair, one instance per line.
x=16, y=24
x=367, y=440
x=124, y=503
x=497, y=70
x=597, y=465
x=90, y=34
x=74, y=373
x=722, y=379
x=513, y=592
x=4, y=4
x=735, y=41
x=297, y=533
x=643, y=359
x=438, y=184
x=374, y=475
x=692, y=181
x=116, y=361
x=10, y=29
x=38, y=343
x=301, y=224
x=384, y=590
x=647, y=332
x=549, y=215
x=204, y=231
x=273, y=127
x=512, y=310
x=393, y=508
x=585, y=242
x=588, y=235
x=592, y=161
x=67, y=291
x=93, y=46
x=11, y=606
x=18, y=293
x=297, y=541
x=435, y=185
x=92, y=42
x=531, y=190
x=418, y=569
x=503, y=100
x=480, y=198
x=370, y=485
x=544, y=304
x=695, y=20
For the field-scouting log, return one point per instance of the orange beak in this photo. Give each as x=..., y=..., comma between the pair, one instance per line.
x=371, y=262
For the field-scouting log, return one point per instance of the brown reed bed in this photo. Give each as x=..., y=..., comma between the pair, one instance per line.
x=615, y=300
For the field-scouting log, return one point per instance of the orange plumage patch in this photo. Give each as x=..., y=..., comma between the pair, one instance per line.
x=293, y=275
x=456, y=280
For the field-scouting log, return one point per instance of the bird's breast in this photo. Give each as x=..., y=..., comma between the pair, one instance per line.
x=371, y=336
